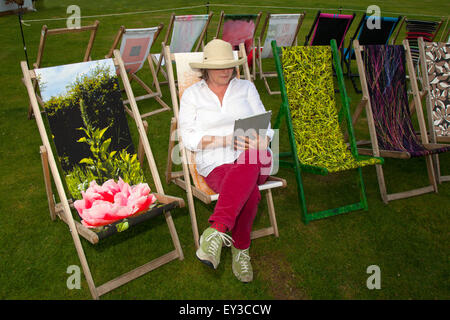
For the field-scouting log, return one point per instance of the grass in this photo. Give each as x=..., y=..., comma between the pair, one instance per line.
x=327, y=259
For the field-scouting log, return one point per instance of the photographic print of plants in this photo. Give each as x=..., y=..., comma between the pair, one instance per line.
x=83, y=105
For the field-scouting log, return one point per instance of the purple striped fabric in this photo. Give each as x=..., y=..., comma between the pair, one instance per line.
x=386, y=80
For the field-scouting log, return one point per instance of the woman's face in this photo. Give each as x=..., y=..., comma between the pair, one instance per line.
x=219, y=77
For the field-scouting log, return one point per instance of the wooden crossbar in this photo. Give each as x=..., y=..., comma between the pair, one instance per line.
x=44, y=32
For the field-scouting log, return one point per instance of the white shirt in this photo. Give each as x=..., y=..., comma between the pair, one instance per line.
x=201, y=114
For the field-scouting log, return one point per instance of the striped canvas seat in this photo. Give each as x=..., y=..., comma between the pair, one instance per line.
x=416, y=29
x=386, y=79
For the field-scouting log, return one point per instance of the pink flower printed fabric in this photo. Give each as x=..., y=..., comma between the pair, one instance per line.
x=105, y=204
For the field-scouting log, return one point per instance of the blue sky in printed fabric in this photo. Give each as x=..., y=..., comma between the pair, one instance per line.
x=53, y=81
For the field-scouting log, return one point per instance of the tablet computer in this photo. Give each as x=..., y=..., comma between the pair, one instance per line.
x=249, y=125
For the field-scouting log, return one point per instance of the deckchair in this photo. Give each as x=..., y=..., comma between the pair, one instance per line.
x=315, y=125
x=284, y=29
x=135, y=46
x=327, y=26
x=88, y=154
x=46, y=32
x=186, y=77
x=435, y=72
x=366, y=35
x=186, y=31
x=383, y=80
x=416, y=29
x=12, y=7
x=237, y=29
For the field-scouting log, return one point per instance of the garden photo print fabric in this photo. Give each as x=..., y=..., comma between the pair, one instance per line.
x=89, y=127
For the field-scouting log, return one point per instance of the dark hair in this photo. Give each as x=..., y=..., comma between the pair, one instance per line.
x=204, y=75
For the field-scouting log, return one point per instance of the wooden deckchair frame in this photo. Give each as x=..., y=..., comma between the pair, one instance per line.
x=375, y=150
x=46, y=32
x=199, y=42
x=349, y=51
x=157, y=95
x=62, y=209
x=182, y=178
x=429, y=105
x=293, y=160
x=258, y=61
x=257, y=20
x=447, y=35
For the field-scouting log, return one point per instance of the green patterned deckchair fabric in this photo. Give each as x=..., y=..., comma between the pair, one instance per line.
x=308, y=77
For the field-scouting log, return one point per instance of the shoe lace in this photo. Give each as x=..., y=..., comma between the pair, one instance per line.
x=244, y=262
x=217, y=238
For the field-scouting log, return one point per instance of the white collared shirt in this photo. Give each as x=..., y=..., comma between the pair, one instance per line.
x=201, y=114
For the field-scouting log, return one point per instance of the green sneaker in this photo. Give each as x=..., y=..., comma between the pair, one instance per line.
x=242, y=268
x=211, y=246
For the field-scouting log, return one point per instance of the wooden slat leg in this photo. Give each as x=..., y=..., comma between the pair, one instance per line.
x=271, y=209
x=173, y=126
x=431, y=172
x=437, y=168
x=174, y=235
x=48, y=183
x=190, y=197
x=141, y=153
x=381, y=183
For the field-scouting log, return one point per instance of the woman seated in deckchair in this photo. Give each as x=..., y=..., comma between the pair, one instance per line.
x=231, y=167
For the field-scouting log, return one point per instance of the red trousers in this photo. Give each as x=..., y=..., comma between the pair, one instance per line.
x=239, y=196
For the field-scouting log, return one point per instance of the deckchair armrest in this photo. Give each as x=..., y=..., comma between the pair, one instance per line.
x=386, y=153
x=431, y=146
x=162, y=198
x=443, y=139
x=273, y=178
x=200, y=194
x=271, y=183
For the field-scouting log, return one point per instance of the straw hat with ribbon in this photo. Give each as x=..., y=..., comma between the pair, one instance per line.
x=217, y=54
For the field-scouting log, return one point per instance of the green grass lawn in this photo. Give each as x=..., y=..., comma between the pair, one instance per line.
x=326, y=259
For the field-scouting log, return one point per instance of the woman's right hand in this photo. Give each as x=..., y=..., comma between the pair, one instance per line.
x=241, y=143
x=245, y=142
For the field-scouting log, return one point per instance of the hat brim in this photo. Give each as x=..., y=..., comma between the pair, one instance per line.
x=217, y=64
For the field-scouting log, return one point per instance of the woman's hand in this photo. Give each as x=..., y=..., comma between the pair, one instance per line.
x=255, y=142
